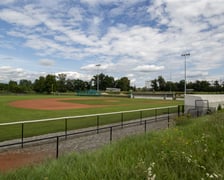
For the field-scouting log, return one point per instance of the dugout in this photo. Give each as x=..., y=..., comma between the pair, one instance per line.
x=90, y=92
x=199, y=104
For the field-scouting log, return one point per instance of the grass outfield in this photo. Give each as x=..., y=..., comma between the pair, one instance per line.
x=13, y=114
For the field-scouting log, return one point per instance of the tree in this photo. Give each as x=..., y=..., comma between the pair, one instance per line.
x=204, y=86
x=4, y=87
x=13, y=87
x=50, y=84
x=45, y=84
x=201, y=86
x=25, y=85
x=217, y=86
x=108, y=82
x=80, y=85
x=105, y=81
x=162, y=83
x=77, y=85
x=39, y=85
x=222, y=89
x=170, y=86
x=61, y=82
x=154, y=85
x=123, y=84
x=180, y=85
x=70, y=85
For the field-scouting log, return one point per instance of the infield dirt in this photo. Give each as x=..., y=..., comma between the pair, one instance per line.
x=51, y=104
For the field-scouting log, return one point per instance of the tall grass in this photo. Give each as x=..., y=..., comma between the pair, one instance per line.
x=191, y=150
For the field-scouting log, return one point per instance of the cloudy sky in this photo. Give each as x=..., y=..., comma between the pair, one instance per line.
x=139, y=39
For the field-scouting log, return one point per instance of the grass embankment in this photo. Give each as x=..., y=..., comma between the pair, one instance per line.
x=191, y=150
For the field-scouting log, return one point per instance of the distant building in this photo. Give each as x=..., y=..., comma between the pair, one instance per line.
x=113, y=89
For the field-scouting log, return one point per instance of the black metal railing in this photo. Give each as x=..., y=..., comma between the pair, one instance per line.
x=160, y=114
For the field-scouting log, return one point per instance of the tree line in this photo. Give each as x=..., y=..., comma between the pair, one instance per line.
x=159, y=84
x=60, y=83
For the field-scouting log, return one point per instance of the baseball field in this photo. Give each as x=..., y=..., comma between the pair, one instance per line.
x=35, y=107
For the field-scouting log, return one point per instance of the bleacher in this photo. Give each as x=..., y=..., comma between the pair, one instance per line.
x=90, y=92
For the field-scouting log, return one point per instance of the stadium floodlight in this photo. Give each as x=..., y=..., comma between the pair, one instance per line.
x=185, y=73
x=98, y=81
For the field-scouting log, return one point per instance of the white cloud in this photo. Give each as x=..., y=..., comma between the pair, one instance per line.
x=50, y=3
x=46, y=62
x=76, y=75
x=89, y=67
x=196, y=74
x=57, y=30
x=16, y=74
x=148, y=68
x=97, y=2
x=12, y=73
x=94, y=67
x=76, y=13
x=6, y=2
x=186, y=13
x=19, y=18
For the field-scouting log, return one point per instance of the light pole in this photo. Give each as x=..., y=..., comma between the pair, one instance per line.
x=185, y=73
x=98, y=65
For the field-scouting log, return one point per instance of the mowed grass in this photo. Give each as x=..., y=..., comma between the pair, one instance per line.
x=191, y=150
x=13, y=114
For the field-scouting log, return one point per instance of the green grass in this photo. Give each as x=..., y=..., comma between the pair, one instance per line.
x=191, y=150
x=13, y=114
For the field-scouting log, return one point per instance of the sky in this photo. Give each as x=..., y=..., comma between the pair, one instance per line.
x=138, y=39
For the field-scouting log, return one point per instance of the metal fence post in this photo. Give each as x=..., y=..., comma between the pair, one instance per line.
x=22, y=135
x=178, y=110
x=57, y=147
x=183, y=109
x=145, y=126
x=122, y=119
x=197, y=111
x=140, y=117
x=111, y=131
x=97, y=124
x=66, y=128
x=155, y=114
x=168, y=114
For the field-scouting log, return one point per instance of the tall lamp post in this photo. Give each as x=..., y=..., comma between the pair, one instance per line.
x=98, y=81
x=185, y=74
